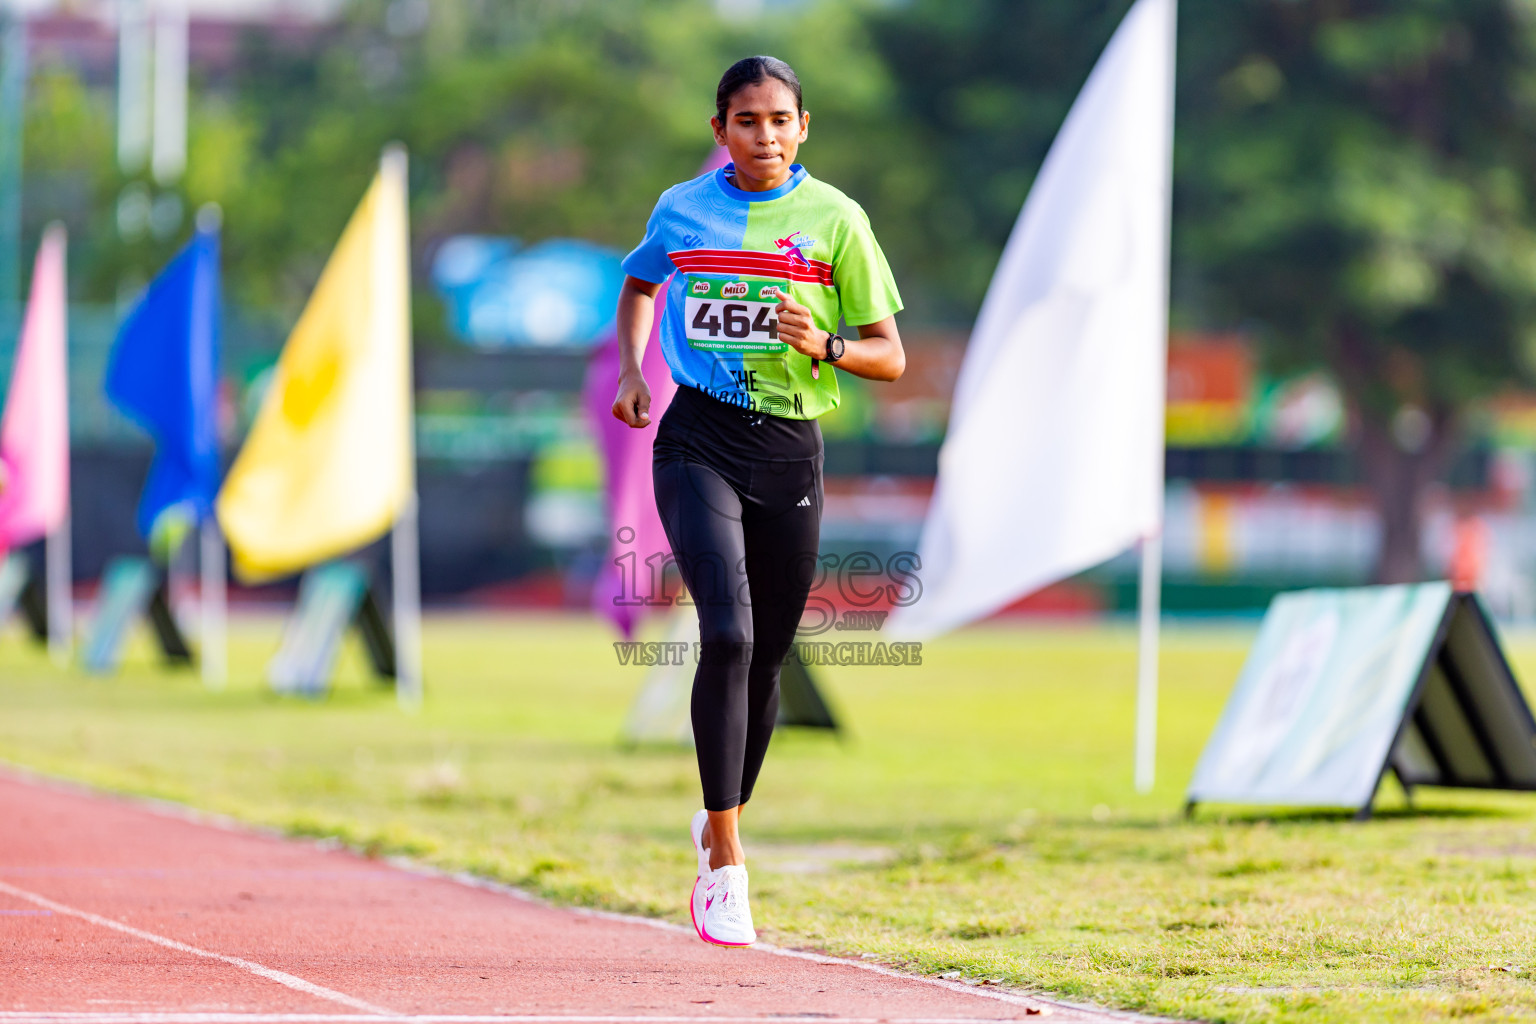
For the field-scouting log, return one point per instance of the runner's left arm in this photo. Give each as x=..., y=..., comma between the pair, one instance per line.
x=875, y=354
x=868, y=301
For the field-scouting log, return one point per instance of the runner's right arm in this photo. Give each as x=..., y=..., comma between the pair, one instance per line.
x=636, y=313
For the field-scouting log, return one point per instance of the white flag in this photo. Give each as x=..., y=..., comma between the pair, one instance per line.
x=1053, y=460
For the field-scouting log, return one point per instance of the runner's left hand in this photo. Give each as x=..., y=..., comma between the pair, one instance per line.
x=797, y=329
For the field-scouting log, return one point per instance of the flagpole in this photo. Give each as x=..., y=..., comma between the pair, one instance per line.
x=214, y=605
x=1149, y=599
x=58, y=576
x=1150, y=609
x=214, y=589
x=58, y=572
x=404, y=558
x=168, y=141
x=404, y=542
x=13, y=96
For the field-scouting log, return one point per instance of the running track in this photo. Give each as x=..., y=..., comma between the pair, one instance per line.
x=116, y=912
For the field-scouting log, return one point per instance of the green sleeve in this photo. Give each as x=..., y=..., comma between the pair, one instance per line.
x=866, y=291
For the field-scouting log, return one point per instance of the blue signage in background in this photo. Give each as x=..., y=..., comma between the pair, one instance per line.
x=559, y=292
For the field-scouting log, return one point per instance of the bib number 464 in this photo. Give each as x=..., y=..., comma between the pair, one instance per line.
x=722, y=315
x=734, y=320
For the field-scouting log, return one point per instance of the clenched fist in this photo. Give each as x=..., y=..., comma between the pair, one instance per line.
x=797, y=329
x=633, y=403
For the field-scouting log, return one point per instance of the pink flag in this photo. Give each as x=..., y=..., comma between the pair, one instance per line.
x=626, y=579
x=34, y=432
x=634, y=528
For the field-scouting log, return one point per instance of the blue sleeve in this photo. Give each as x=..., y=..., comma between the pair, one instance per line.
x=650, y=261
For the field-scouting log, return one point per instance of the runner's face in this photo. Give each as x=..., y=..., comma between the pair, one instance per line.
x=763, y=131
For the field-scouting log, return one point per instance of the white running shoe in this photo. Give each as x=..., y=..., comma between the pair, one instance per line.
x=726, y=918
x=696, y=901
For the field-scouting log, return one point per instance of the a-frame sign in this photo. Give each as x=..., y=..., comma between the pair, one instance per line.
x=1470, y=725
x=333, y=597
x=1343, y=686
x=21, y=590
x=132, y=588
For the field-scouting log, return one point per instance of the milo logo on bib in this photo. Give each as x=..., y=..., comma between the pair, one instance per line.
x=733, y=316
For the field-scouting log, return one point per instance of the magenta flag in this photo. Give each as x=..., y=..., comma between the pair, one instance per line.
x=34, y=432
x=634, y=529
x=626, y=578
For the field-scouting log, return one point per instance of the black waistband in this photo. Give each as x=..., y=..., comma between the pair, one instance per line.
x=696, y=422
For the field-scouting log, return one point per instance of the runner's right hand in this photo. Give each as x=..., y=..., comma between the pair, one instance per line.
x=633, y=404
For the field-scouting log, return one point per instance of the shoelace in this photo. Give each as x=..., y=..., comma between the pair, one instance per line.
x=731, y=903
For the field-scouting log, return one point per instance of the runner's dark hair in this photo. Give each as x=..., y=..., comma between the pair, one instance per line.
x=751, y=71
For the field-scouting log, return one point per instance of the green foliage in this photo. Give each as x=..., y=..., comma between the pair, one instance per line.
x=980, y=88
x=67, y=166
x=68, y=129
x=1361, y=167
x=526, y=119
x=1355, y=181
x=1355, y=185
x=1358, y=180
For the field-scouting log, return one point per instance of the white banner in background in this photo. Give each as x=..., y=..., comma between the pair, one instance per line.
x=1053, y=460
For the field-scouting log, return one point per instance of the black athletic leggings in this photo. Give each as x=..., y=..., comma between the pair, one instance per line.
x=740, y=497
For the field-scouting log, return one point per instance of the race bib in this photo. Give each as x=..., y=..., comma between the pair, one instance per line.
x=733, y=316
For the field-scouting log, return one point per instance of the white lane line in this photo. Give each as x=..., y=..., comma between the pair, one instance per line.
x=208, y=819
x=1034, y=1005
x=25, y=1017
x=280, y=977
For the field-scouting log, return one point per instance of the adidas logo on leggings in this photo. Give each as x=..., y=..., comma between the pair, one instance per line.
x=804, y=502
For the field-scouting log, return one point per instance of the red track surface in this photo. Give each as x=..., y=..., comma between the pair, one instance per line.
x=111, y=911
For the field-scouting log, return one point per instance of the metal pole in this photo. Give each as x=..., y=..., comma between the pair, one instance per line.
x=58, y=570
x=1150, y=608
x=405, y=548
x=215, y=612
x=13, y=92
x=133, y=88
x=58, y=574
x=169, y=146
x=404, y=557
x=1151, y=584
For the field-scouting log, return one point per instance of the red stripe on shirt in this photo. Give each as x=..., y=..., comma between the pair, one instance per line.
x=794, y=273
x=749, y=261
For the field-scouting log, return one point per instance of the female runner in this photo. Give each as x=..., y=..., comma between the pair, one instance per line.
x=768, y=261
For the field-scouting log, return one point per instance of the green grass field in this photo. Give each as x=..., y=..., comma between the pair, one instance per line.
x=979, y=817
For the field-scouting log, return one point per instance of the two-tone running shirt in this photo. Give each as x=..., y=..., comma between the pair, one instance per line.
x=731, y=250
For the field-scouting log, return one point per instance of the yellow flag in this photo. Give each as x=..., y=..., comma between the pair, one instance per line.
x=329, y=463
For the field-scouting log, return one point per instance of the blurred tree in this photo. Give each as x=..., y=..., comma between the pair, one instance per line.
x=522, y=118
x=68, y=162
x=1355, y=184
x=1356, y=179
x=982, y=87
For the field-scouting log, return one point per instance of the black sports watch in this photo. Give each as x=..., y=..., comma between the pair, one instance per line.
x=835, y=347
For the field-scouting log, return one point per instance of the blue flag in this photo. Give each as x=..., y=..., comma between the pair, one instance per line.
x=163, y=374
